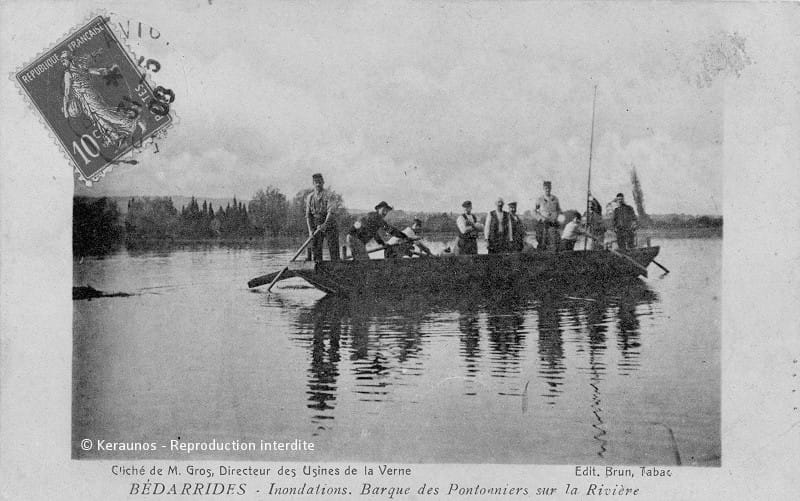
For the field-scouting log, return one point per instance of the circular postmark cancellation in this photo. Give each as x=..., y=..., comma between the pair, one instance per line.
x=95, y=98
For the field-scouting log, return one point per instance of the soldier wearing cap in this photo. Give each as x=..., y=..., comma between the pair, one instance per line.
x=321, y=220
x=368, y=228
x=624, y=223
x=496, y=229
x=547, y=212
x=516, y=229
x=468, y=230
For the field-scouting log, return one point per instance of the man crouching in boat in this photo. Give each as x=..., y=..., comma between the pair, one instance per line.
x=399, y=248
x=367, y=228
x=572, y=230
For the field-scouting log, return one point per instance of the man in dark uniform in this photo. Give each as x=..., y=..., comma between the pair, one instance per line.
x=516, y=230
x=496, y=229
x=624, y=222
x=367, y=228
x=321, y=215
x=468, y=230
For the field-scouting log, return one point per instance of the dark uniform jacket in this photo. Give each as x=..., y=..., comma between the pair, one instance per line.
x=624, y=218
x=517, y=236
x=497, y=231
x=366, y=229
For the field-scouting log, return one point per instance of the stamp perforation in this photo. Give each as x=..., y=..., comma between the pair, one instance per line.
x=144, y=77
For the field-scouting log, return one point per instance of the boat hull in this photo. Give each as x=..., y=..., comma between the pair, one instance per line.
x=454, y=273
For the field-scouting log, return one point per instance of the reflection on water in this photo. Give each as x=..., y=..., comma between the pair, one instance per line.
x=385, y=339
x=596, y=315
x=560, y=376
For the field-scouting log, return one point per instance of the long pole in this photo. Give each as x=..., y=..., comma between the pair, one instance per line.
x=589, y=181
x=299, y=251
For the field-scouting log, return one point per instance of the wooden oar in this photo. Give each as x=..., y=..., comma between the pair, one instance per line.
x=299, y=251
x=266, y=279
x=652, y=261
x=258, y=281
x=376, y=249
x=660, y=266
x=630, y=259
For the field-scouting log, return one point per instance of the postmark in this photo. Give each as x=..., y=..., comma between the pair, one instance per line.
x=96, y=99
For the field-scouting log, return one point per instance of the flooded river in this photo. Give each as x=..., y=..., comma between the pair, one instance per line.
x=629, y=374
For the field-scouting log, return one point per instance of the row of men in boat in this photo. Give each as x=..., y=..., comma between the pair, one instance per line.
x=504, y=230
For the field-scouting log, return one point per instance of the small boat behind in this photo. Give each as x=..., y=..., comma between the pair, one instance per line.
x=453, y=273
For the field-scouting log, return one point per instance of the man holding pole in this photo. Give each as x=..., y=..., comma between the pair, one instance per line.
x=595, y=225
x=321, y=215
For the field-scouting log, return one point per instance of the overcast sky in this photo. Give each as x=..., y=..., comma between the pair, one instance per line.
x=427, y=104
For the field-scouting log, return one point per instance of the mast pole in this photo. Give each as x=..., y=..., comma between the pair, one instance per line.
x=589, y=181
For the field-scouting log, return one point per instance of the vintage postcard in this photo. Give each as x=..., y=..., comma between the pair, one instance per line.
x=399, y=250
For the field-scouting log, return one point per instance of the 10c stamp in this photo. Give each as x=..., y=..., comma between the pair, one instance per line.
x=95, y=99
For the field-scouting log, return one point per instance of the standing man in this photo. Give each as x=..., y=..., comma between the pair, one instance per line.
x=624, y=222
x=496, y=229
x=516, y=230
x=367, y=228
x=321, y=215
x=468, y=230
x=547, y=212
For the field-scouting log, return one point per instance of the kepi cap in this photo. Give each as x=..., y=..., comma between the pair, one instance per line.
x=547, y=183
x=383, y=204
x=466, y=204
x=316, y=176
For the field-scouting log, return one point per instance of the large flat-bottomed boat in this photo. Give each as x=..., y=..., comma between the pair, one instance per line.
x=453, y=273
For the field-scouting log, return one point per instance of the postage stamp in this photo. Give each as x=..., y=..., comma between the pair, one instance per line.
x=93, y=96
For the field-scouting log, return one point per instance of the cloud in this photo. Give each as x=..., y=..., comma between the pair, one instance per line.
x=429, y=105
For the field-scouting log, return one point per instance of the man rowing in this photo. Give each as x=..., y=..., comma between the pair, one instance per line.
x=468, y=230
x=368, y=228
x=572, y=230
x=399, y=248
x=321, y=215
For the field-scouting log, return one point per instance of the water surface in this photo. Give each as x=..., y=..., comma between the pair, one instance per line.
x=627, y=374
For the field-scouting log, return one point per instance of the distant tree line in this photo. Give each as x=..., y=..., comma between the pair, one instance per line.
x=98, y=226
x=683, y=221
x=158, y=219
